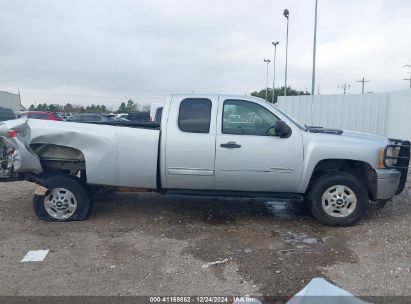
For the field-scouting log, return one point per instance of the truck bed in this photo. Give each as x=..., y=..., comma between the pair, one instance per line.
x=116, y=154
x=130, y=124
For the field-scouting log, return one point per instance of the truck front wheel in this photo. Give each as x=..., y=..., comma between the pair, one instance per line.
x=338, y=199
x=66, y=199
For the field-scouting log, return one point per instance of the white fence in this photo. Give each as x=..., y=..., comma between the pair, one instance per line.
x=386, y=114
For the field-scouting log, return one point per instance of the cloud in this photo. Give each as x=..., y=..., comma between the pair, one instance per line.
x=105, y=51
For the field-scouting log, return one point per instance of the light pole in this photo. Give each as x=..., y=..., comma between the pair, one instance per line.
x=286, y=15
x=275, y=54
x=314, y=49
x=267, y=61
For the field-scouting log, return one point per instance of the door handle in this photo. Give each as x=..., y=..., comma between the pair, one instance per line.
x=230, y=145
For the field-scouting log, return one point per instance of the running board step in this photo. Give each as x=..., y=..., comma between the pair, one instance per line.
x=288, y=197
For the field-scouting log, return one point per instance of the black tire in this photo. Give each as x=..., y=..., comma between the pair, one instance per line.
x=323, y=183
x=76, y=187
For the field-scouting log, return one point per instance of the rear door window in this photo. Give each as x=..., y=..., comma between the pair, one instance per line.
x=195, y=115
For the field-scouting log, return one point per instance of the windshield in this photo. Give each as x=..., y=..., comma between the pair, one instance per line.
x=297, y=123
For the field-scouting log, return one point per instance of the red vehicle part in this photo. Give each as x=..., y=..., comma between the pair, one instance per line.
x=41, y=115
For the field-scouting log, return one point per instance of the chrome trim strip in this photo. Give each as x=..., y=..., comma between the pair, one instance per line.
x=282, y=170
x=190, y=171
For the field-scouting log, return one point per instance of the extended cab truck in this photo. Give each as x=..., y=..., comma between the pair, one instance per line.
x=210, y=145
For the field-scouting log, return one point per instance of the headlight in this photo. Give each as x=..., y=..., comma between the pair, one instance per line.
x=387, y=153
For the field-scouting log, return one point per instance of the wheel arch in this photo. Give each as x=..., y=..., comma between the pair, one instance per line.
x=360, y=169
x=59, y=158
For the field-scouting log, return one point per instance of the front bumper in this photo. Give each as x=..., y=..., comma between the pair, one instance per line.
x=388, y=183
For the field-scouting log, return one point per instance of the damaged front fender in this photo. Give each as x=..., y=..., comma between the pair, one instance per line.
x=15, y=153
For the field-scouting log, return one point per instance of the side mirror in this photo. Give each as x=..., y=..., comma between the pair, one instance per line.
x=281, y=129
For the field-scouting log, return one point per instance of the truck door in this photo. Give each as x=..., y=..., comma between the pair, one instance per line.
x=247, y=159
x=190, y=143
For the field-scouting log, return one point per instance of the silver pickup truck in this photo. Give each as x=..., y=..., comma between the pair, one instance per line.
x=205, y=145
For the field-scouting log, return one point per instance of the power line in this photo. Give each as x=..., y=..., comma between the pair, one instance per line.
x=363, y=81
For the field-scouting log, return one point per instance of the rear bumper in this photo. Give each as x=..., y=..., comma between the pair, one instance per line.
x=388, y=183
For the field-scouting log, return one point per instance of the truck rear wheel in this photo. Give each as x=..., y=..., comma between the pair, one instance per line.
x=67, y=199
x=338, y=199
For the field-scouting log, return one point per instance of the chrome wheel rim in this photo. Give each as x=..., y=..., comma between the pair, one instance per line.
x=339, y=201
x=60, y=203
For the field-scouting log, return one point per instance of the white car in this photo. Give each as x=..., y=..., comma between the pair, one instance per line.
x=121, y=117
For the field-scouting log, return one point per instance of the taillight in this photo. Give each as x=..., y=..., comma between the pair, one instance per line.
x=12, y=133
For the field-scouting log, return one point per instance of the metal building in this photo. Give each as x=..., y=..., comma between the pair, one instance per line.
x=11, y=101
x=386, y=114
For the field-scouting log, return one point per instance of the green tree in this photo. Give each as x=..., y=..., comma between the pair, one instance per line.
x=122, y=108
x=42, y=107
x=95, y=109
x=131, y=106
x=278, y=92
x=54, y=108
x=78, y=109
x=32, y=108
x=68, y=108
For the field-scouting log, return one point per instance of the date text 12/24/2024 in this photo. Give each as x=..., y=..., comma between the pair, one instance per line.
x=203, y=299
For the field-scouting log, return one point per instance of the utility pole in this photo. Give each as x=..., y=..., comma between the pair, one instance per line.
x=314, y=49
x=344, y=87
x=363, y=81
x=275, y=54
x=408, y=79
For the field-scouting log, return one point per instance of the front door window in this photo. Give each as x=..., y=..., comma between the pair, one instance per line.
x=246, y=118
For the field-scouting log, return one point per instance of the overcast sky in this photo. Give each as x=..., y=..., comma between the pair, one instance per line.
x=105, y=51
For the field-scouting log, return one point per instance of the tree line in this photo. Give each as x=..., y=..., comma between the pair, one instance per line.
x=131, y=106
x=278, y=92
x=125, y=107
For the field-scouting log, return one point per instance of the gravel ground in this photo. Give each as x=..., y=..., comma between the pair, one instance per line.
x=146, y=244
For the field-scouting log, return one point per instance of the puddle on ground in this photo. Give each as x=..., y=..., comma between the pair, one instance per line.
x=292, y=237
x=286, y=210
x=218, y=217
x=228, y=211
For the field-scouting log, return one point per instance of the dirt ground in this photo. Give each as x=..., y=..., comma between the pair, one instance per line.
x=146, y=244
